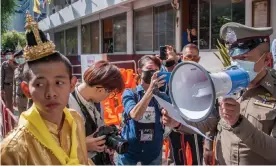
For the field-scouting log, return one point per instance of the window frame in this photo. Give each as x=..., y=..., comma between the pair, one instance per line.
x=153, y=50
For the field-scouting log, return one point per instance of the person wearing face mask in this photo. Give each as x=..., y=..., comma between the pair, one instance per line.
x=101, y=80
x=142, y=116
x=246, y=129
x=189, y=53
x=7, y=71
x=19, y=99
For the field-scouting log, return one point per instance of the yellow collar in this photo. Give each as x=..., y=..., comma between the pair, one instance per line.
x=33, y=122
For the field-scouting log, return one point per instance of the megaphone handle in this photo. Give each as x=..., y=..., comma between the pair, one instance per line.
x=232, y=96
x=197, y=149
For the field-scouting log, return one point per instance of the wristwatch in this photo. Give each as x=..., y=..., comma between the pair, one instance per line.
x=238, y=122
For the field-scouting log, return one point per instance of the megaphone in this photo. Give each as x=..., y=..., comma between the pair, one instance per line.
x=193, y=90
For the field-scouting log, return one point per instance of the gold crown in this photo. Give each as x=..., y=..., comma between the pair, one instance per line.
x=40, y=50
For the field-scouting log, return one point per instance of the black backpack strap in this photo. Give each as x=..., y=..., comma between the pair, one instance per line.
x=90, y=125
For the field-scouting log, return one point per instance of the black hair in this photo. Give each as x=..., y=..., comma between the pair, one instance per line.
x=55, y=57
x=18, y=53
x=144, y=59
x=8, y=51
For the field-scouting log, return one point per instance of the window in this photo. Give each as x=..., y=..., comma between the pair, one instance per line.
x=223, y=12
x=90, y=38
x=114, y=34
x=164, y=26
x=204, y=19
x=119, y=30
x=143, y=30
x=85, y=38
x=154, y=27
x=71, y=41
x=59, y=42
x=95, y=37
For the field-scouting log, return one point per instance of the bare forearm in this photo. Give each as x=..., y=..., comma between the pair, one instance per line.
x=189, y=38
x=137, y=112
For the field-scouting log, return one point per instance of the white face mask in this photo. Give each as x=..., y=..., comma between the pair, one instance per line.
x=248, y=66
x=20, y=60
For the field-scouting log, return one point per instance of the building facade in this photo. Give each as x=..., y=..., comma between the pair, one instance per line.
x=128, y=29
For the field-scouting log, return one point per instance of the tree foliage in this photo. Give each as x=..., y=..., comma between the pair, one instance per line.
x=7, y=10
x=11, y=39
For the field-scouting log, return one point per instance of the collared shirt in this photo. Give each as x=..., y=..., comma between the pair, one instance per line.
x=7, y=71
x=17, y=79
x=253, y=141
x=145, y=151
x=90, y=106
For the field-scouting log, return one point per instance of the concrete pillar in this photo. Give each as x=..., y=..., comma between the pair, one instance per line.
x=79, y=39
x=273, y=18
x=248, y=12
x=100, y=36
x=129, y=34
x=178, y=28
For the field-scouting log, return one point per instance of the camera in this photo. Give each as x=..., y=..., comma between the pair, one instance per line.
x=113, y=140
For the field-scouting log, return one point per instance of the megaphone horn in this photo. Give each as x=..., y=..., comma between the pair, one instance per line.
x=193, y=90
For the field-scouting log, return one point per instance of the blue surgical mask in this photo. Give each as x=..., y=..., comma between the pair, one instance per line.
x=20, y=60
x=8, y=57
x=247, y=66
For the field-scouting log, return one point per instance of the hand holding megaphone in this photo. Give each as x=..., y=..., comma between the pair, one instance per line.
x=229, y=110
x=193, y=91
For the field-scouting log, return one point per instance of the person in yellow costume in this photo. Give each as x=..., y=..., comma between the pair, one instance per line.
x=48, y=133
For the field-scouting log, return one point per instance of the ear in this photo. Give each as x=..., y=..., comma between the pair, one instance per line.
x=74, y=81
x=25, y=88
x=269, y=60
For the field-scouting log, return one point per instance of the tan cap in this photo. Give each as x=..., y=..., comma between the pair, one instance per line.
x=232, y=32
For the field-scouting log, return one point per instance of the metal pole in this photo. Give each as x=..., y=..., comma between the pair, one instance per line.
x=197, y=149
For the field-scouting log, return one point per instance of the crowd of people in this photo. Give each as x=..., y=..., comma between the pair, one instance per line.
x=61, y=121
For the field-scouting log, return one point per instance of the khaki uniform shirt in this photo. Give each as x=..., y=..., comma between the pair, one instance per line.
x=18, y=78
x=253, y=141
x=7, y=71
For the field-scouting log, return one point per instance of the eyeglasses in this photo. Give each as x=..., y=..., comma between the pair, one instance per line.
x=111, y=93
x=240, y=48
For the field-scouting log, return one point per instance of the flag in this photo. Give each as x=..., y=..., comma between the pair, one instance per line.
x=36, y=8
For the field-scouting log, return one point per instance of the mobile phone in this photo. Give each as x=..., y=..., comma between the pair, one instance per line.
x=167, y=78
x=163, y=50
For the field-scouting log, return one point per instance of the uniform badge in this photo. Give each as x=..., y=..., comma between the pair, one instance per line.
x=266, y=104
x=231, y=36
x=266, y=101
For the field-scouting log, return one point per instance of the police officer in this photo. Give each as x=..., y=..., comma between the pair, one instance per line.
x=247, y=128
x=7, y=71
x=19, y=99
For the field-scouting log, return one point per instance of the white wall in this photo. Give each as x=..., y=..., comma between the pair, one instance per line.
x=78, y=10
x=248, y=12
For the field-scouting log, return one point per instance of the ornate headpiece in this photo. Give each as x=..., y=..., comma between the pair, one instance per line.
x=37, y=44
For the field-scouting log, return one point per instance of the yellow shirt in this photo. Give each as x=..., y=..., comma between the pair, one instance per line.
x=21, y=148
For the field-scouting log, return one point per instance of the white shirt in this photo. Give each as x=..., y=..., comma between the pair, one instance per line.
x=90, y=106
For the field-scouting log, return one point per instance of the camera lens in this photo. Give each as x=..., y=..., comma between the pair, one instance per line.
x=122, y=147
